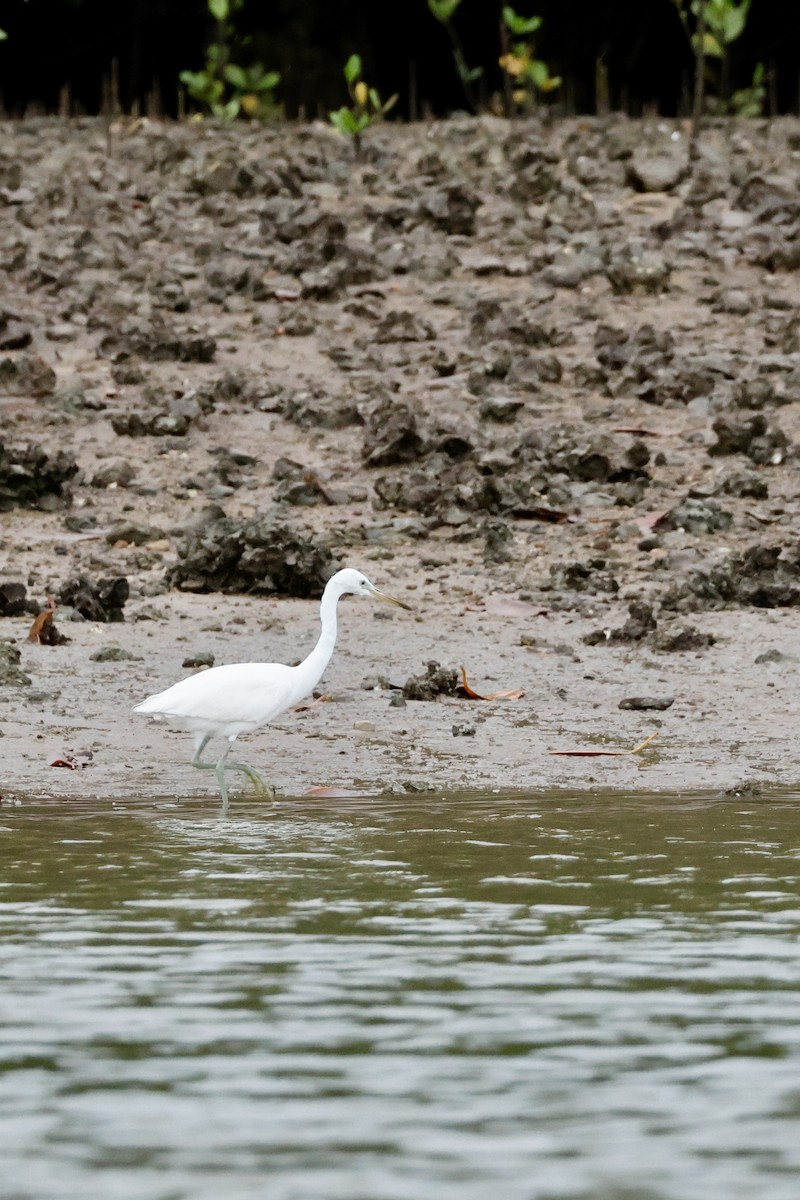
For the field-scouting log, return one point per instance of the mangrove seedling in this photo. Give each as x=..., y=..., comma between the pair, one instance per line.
x=444, y=11
x=223, y=87
x=715, y=25
x=530, y=75
x=366, y=107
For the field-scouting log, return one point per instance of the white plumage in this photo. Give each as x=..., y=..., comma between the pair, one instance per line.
x=235, y=699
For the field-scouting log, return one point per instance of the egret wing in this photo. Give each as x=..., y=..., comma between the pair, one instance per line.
x=246, y=694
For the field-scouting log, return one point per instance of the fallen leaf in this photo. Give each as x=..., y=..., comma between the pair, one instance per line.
x=635, y=432
x=604, y=753
x=43, y=631
x=465, y=690
x=74, y=762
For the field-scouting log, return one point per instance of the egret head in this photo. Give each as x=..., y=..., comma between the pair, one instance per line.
x=355, y=582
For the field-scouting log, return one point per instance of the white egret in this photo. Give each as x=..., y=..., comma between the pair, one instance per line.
x=231, y=700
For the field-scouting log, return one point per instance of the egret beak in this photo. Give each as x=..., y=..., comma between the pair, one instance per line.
x=379, y=595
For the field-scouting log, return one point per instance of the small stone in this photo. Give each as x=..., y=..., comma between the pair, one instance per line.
x=398, y=700
x=463, y=729
x=112, y=654
x=773, y=656
x=203, y=658
x=647, y=703
x=115, y=474
x=364, y=726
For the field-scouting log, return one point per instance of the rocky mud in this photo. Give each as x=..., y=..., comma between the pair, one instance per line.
x=541, y=381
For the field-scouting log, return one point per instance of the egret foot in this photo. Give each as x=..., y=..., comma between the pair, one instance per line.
x=262, y=788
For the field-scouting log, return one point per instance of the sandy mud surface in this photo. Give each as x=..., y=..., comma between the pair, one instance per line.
x=541, y=382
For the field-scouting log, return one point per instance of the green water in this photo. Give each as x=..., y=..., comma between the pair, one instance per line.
x=502, y=997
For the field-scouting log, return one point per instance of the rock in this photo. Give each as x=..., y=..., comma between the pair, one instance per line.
x=698, y=516
x=755, y=437
x=463, y=729
x=32, y=478
x=28, y=375
x=14, y=335
x=203, y=658
x=451, y=209
x=391, y=435
x=436, y=681
x=502, y=409
x=173, y=421
x=118, y=473
x=592, y=577
x=688, y=638
x=156, y=341
x=773, y=656
x=259, y=556
x=646, y=703
x=640, y=623
x=761, y=577
x=745, y=485
x=398, y=700
x=403, y=326
x=112, y=654
x=633, y=268
x=14, y=600
x=103, y=601
x=133, y=533
x=658, y=168
x=11, y=674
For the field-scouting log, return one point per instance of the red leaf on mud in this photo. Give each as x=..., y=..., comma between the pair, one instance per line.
x=604, y=753
x=74, y=762
x=465, y=690
x=43, y=631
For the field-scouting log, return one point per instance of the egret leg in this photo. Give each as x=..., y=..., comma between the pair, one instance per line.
x=222, y=765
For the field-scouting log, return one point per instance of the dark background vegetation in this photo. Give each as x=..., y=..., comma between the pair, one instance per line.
x=72, y=43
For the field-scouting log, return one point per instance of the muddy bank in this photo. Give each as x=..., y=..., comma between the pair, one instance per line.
x=503, y=368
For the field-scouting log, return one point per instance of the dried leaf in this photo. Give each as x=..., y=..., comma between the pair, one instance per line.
x=74, y=762
x=43, y=631
x=604, y=753
x=465, y=690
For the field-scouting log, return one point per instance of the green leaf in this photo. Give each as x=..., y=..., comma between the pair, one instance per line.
x=352, y=68
x=344, y=121
x=443, y=10
x=229, y=111
x=236, y=76
x=375, y=100
x=219, y=9
x=520, y=26
x=269, y=81
x=539, y=74
x=3, y=35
